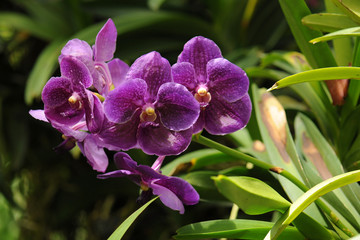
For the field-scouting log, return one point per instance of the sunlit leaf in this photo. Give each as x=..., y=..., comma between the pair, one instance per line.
x=349, y=7
x=320, y=74
x=251, y=195
x=349, y=32
x=328, y=22
x=234, y=229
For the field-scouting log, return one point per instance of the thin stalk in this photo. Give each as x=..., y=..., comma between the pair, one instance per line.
x=235, y=153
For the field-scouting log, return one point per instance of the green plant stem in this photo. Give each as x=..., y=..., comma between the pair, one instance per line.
x=233, y=152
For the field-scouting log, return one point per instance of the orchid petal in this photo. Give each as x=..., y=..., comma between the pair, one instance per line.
x=184, y=74
x=94, y=114
x=95, y=155
x=168, y=198
x=105, y=42
x=120, y=136
x=177, y=107
x=224, y=117
x=118, y=70
x=78, y=49
x=76, y=71
x=226, y=79
x=122, y=103
x=38, y=114
x=200, y=123
x=152, y=68
x=181, y=188
x=156, y=139
x=198, y=51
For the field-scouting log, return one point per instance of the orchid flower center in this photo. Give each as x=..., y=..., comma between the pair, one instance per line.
x=75, y=101
x=148, y=115
x=144, y=186
x=203, y=96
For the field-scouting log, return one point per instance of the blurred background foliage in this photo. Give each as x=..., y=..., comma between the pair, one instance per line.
x=49, y=195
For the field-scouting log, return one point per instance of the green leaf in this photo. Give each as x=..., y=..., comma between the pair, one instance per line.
x=349, y=32
x=349, y=7
x=321, y=74
x=155, y=4
x=328, y=22
x=196, y=160
x=251, y=195
x=278, y=142
x=120, y=231
x=204, y=185
x=309, y=197
x=321, y=163
x=234, y=229
x=44, y=66
x=317, y=55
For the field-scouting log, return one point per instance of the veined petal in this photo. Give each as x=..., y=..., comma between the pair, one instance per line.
x=177, y=107
x=181, y=188
x=184, y=74
x=152, y=68
x=223, y=117
x=198, y=51
x=168, y=198
x=118, y=70
x=226, y=79
x=105, y=42
x=122, y=102
x=120, y=136
x=78, y=49
x=156, y=139
x=76, y=71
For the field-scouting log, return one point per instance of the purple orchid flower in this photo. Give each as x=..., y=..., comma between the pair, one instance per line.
x=174, y=192
x=157, y=113
x=66, y=99
x=218, y=85
x=97, y=58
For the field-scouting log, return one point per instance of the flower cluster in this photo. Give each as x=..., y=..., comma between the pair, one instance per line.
x=99, y=102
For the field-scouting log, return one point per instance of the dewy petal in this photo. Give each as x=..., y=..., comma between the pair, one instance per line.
x=158, y=140
x=223, y=117
x=118, y=70
x=198, y=51
x=95, y=155
x=105, y=42
x=177, y=107
x=122, y=102
x=168, y=198
x=76, y=71
x=120, y=136
x=181, y=188
x=78, y=49
x=226, y=80
x=184, y=74
x=152, y=68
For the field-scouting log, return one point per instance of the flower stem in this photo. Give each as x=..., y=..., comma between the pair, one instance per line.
x=235, y=153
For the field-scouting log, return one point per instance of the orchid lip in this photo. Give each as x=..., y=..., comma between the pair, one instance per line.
x=203, y=96
x=74, y=101
x=148, y=114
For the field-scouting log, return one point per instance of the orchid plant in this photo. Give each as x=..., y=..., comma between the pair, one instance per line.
x=107, y=108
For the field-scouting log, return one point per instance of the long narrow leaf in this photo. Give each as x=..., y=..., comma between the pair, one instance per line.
x=349, y=32
x=321, y=74
x=309, y=197
x=328, y=22
x=120, y=231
